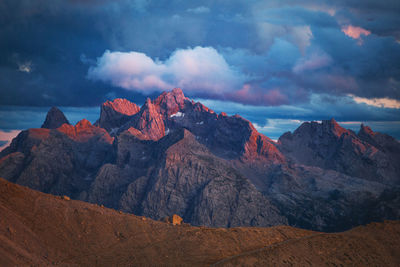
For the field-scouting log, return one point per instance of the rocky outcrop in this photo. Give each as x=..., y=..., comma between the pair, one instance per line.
x=381, y=141
x=149, y=121
x=84, y=131
x=174, y=219
x=114, y=114
x=235, y=137
x=169, y=103
x=54, y=119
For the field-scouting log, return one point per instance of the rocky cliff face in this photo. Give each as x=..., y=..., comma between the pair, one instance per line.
x=175, y=156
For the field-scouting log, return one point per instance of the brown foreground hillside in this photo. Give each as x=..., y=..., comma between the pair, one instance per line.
x=40, y=229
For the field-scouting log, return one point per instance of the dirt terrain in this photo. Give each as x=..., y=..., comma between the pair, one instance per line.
x=40, y=229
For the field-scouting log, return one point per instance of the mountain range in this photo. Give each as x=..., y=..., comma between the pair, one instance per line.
x=175, y=156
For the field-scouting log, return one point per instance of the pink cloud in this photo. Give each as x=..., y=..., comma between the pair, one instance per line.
x=200, y=69
x=354, y=31
x=258, y=96
x=377, y=102
x=7, y=137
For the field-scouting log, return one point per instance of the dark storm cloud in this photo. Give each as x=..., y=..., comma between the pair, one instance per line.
x=279, y=52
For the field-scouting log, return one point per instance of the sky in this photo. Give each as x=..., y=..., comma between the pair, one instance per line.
x=277, y=63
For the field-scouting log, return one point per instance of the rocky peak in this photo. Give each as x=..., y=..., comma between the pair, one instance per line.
x=171, y=102
x=113, y=114
x=54, y=119
x=381, y=141
x=365, y=130
x=122, y=106
x=149, y=121
x=235, y=137
x=84, y=131
x=333, y=127
x=311, y=130
x=84, y=123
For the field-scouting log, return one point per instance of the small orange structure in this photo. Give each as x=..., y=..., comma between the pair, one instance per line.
x=176, y=219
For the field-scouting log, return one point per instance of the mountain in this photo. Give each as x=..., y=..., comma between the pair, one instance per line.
x=327, y=145
x=176, y=156
x=54, y=119
x=40, y=230
x=57, y=160
x=113, y=114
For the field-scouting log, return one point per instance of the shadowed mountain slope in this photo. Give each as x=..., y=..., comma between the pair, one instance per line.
x=368, y=155
x=54, y=119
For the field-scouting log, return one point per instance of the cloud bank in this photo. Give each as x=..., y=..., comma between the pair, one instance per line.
x=201, y=70
x=277, y=54
x=377, y=102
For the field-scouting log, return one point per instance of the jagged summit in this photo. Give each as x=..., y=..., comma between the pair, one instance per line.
x=83, y=131
x=123, y=106
x=149, y=121
x=171, y=102
x=365, y=130
x=228, y=136
x=113, y=114
x=54, y=119
x=334, y=127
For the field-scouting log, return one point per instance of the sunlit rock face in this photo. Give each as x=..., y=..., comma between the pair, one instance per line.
x=113, y=114
x=176, y=156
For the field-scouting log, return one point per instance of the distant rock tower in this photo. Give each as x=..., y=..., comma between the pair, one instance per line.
x=54, y=119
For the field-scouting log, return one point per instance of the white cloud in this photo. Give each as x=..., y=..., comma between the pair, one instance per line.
x=25, y=67
x=199, y=10
x=200, y=69
x=377, y=102
x=6, y=137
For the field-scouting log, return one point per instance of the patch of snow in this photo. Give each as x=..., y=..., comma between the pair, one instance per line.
x=113, y=131
x=178, y=115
